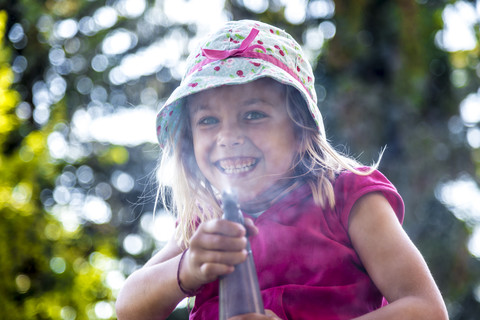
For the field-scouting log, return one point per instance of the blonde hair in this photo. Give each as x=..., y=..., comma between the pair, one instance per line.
x=190, y=196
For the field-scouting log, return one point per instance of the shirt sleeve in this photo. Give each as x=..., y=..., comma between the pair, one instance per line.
x=349, y=187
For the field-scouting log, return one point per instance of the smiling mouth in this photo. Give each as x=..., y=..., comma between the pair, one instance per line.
x=237, y=165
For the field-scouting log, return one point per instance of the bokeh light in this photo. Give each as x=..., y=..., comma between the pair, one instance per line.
x=68, y=313
x=66, y=29
x=58, y=265
x=131, y=8
x=16, y=33
x=122, y=181
x=462, y=196
x=459, y=31
x=99, y=63
x=96, y=210
x=257, y=6
x=321, y=9
x=105, y=17
x=470, y=109
x=295, y=12
x=133, y=244
x=161, y=226
x=23, y=283
x=118, y=41
x=104, y=310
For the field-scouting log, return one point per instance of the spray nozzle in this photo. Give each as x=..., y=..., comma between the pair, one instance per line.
x=231, y=209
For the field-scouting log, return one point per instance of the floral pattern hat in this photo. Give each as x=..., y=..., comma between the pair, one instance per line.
x=241, y=52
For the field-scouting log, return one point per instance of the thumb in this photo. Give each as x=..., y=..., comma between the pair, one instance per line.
x=252, y=230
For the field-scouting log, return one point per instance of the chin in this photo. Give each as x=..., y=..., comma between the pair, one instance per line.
x=250, y=194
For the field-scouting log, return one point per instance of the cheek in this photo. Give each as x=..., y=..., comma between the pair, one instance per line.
x=201, y=155
x=197, y=151
x=281, y=154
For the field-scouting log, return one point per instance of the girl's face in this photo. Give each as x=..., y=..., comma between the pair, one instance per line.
x=243, y=137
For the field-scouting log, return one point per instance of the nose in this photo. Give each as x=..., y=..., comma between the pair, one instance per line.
x=230, y=135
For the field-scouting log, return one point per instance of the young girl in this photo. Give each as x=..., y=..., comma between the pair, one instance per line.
x=325, y=231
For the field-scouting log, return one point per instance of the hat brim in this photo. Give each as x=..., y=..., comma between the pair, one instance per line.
x=237, y=70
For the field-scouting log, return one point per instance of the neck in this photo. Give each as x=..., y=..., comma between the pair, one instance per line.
x=265, y=200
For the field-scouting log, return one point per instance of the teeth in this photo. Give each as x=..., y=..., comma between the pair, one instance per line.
x=237, y=166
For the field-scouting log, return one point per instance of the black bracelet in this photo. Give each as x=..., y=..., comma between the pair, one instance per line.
x=188, y=293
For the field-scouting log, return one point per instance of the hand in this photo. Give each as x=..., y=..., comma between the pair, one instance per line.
x=215, y=248
x=269, y=315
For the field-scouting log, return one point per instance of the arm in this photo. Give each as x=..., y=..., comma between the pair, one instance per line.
x=393, y=262
x=152, y=292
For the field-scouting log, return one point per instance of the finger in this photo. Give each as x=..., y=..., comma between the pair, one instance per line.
x=224, y=227
x=203, y=266
x=211, y=271
x=221, y=243
x=230, y=258
x=215, y=241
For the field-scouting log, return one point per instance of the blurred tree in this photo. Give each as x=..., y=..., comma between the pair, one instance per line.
x=45, y=269
x=76, y=208
x=390, y=85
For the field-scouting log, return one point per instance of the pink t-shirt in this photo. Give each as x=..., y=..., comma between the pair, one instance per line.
x=307, y=267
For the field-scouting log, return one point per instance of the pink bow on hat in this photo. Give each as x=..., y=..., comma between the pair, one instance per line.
x=244, y=50
x=244, y=47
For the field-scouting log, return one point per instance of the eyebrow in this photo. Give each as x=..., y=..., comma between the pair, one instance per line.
x=195, y=108
x=252, y=101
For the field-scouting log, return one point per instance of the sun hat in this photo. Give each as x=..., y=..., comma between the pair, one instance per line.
x=241, y=52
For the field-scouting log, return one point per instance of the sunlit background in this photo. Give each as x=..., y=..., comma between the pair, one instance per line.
x=107, y=121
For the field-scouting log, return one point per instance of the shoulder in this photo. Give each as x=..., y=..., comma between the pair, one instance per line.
x=349, y=187
x=348, y=181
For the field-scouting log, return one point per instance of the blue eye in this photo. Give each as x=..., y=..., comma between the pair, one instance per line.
x=208, y=121
x=253, y=115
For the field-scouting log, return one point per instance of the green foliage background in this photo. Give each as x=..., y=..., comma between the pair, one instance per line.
x=382, y=80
